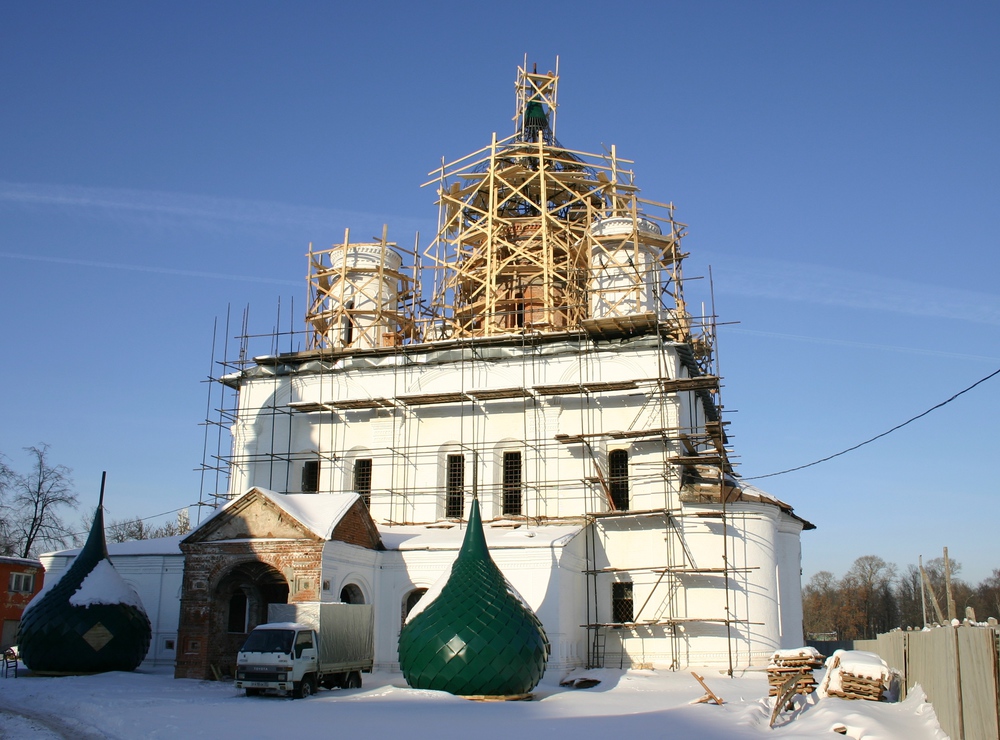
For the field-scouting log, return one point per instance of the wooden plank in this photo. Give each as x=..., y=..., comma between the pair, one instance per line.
x=489, y=394
x=709, y=694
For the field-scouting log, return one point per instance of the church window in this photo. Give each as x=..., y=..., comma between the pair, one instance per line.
x=310, y=476
x=621, y=602
x=618, y=478
x=511, y=483
x=363, y=479
x=455, y=487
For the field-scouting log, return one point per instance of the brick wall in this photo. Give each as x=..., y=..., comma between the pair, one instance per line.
x=203, y=636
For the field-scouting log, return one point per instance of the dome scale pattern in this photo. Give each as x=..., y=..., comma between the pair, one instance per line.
x=476, y=638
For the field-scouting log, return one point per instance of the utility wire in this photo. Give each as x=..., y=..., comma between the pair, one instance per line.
x=138, y=519
x=878, y=436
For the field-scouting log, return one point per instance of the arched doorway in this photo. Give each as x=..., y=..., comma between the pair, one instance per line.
x=239, y=603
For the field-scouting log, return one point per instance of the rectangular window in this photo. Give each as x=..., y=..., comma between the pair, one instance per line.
x=455, y=487
x=363, y=480
x=618, y=478
x=22, y=583
x=621, y=602
x=511, y=483
x=310, y=476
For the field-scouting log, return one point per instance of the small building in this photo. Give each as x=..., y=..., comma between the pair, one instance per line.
x=24, y=578
x=260, y=549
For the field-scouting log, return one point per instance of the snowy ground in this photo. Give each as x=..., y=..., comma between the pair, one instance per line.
x=625, y=704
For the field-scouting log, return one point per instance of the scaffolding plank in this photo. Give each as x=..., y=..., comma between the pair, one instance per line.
x=699, y=383
x=609, y=385
x=307, y=406
x=420, y=399
x=713, y=460
x=362, y=403
x=491, y=394
x=558, y=390
x=616, y=326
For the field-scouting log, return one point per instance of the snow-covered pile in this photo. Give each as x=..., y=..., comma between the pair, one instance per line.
x=855, y=674
x=790, y=662
x=790, y=655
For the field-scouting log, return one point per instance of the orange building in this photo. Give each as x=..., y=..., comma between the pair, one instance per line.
x=21, y=579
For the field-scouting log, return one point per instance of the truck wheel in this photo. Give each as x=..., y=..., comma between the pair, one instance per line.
x=354, y=680
x=304, y=688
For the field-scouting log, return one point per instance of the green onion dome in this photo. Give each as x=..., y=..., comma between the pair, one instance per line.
x=476, y=637
x=89, y=620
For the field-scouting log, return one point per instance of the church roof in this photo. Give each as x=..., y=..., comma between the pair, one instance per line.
x=319, y=513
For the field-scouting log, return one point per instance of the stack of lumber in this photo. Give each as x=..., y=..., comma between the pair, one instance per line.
x=855, y=674
x=786, y=663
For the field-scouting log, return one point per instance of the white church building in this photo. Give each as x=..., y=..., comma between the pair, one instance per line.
x=538, y=355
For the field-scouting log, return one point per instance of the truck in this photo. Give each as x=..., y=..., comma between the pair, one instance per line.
x=305, y=646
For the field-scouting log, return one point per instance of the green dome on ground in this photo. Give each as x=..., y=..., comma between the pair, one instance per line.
x=89, y=621
x=476, y=638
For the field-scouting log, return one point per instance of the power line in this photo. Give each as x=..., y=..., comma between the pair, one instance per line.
x=142, y=519
x=878, y=436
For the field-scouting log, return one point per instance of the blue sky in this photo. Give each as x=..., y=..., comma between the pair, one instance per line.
x=837, y=163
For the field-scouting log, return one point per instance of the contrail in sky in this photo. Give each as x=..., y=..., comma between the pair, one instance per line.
x=860, y=345
x=195, y=209
x=159, y=270
x=816, y=284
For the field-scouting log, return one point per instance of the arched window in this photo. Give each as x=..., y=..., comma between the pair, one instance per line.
x=410, y=601
x=618, y=478
x=351, y=594
x=348, y=324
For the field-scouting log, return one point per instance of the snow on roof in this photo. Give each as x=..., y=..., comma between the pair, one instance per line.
x=156, y=546
x=438, y=537
x=320, y=513
x=762, y=494
x=20, y=561
x=282, y=626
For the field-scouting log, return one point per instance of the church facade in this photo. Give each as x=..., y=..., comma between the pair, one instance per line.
x=540, y=357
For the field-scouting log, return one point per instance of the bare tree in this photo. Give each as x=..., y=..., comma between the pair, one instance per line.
x=33, y=514
x=7, y=544
x=123, y=530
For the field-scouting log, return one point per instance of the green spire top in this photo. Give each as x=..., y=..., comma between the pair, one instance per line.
x=476, y=638
x=535, y=120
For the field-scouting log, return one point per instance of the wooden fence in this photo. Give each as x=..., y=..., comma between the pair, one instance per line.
x=957, y=667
